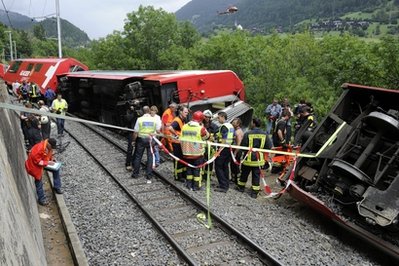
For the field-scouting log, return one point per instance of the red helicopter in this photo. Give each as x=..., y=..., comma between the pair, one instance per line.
x=230, y=10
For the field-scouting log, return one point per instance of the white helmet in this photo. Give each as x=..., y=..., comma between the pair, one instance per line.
x=43, y=119
x=208, y=113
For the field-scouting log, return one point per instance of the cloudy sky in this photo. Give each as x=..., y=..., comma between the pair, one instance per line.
x=96, y=17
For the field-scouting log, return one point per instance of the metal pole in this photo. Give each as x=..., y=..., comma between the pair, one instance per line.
x=15, y=49
x=57, y=6
x=11, y=51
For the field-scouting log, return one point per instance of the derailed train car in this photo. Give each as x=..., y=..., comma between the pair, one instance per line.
x=355, y=179
x=106, y=95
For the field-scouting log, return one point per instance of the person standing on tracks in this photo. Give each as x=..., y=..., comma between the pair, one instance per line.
x=212, y=129
x=255, y=138
x=154, y=113
x=238, y=135
x=167, y=119
x=45, y=122
x=132, y=113
x=60, y=107
x=193, y=152
x=225, y=136
x=145, y=125
x=34, y=92
x=175, y=130
x=39, y=157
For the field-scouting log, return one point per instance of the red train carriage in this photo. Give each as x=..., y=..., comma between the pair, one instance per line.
x=105, y=95
x=354, y=180
x=41, y=71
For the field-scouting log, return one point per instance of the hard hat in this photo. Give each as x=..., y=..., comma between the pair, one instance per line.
x=208, y=113
x=198, y=116
x=44, y=119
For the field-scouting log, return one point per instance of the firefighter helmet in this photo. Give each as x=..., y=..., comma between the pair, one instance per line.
x=198, y=116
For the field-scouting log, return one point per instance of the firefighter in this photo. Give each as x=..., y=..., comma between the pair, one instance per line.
x=175, y=130
x=34, y=92
x=193, y=152
x=144, y=126
x=225, y=135
x=212, y=129
x=255, y=138
x=167, y=118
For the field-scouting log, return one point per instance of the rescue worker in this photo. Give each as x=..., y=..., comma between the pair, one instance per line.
x=193, y=152
x=175, y=130
x=255, y=138
x=34, y=92
x=225, y=135
x=24, y=118
x=167, y=118
x=45, y=123
x=145, y=125
x=132, y=113
x=60, y=107
x=212, y=129
x=24, y=91
x=238, y=135
x=39, y=157
x=306, y=119
x=280, y=130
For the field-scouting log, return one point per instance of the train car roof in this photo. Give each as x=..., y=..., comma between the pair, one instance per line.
x=163, y=76
x=357, y=86
x=44, y=60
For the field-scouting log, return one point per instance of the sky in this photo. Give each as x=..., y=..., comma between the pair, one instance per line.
x=97, y=18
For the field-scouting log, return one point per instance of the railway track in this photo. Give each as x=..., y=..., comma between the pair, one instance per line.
x=172, y=211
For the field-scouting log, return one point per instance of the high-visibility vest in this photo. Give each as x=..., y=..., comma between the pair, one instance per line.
x=181, y=124
x=191, y=131
x=147, y=125
x=60, y=105
x=169, y=114
x=230, y=134
x=255, y=159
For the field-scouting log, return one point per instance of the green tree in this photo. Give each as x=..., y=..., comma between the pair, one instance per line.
x=39, y=32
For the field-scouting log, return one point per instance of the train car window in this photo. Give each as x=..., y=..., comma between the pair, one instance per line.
x=29, y=67
x=15, y=66
x=75, y=68
x=38, y=67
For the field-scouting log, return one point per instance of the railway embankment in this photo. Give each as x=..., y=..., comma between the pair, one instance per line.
x=21, y=241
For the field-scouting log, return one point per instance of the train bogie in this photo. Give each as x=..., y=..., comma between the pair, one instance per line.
x=354, y=179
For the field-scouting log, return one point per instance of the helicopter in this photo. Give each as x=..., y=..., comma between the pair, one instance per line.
x=230, y=10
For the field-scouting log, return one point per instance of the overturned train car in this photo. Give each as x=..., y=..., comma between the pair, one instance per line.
x=105, y=96
x=355, y=180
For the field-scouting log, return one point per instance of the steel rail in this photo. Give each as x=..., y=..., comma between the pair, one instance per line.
x=263, y=255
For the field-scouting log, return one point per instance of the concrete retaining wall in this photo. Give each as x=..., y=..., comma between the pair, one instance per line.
x=21, y=241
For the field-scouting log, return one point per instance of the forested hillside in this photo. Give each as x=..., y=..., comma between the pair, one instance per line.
x=266, y=15
x=72, y=36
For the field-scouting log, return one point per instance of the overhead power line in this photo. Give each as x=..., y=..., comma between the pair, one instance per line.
x=5, y=9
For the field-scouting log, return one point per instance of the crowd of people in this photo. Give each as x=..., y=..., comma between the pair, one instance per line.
x=183, y=134
x=36, y=130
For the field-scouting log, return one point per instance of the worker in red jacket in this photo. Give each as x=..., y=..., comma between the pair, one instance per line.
x=40, y=156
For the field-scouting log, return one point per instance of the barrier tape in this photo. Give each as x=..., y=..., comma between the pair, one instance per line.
x=201, y=216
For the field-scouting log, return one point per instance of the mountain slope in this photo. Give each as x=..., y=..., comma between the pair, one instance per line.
x=72, y=36
x=267, y=14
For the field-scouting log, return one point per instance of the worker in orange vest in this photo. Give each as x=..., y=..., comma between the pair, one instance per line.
x=175, y=129
x=167, y=118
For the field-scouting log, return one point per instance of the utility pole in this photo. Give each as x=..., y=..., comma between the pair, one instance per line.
x=57, y=6
x=11, y=51
x=15, y=49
